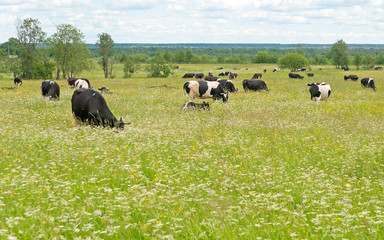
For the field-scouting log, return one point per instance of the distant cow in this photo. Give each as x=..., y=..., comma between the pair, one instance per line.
x=254, y=85
x=17, y=81
x=369, y=83
x=257, y=76
x=211, y=78
x=319, y=91
x=89, y=106
x=264, y=70
x=232, y=75
x=82, y=83
x=189, y=75
x=103, y=89
x=346, y=68
x=205, y=89
x=276, y=70
x=224, y=74
x=50, y=89
x=310, y=74
x=227, y=85
x=295, y=75
x=378, y=68
x=199, y=75
x=351, y=77
x=196, y=106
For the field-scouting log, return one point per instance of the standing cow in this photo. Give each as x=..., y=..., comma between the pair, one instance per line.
x=89, y=106
x=232, y=75
x=319, y=91
x=369, y=83
x=257, y=76
x=254, y=85
x=17, y=81
x=199, y=75
x=50, y=89
x=205, y=89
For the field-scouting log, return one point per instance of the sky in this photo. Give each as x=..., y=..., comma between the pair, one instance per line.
x=205, y=21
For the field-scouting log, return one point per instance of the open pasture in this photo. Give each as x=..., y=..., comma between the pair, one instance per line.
x=265, y=165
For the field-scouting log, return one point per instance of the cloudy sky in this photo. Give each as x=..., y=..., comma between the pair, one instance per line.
x=205, y=21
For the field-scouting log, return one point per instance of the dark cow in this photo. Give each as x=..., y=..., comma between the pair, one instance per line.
x=224, y=74
x=89, y=106
x=310, y=74
x=254, y=85
x=378, y=68
x=276, y=70
x=211, y=78
x=232, y=75
x=17, y=81
x=196, y=106
x=369, y=83
x=346, y=68
x=103, y=89
x=189, y=75
x=257, y=76
x=205, y=89
x=199, y=75
x=295, y=75
x=301, y=69
x=71, y=82
x=50, y=90
x=264, y=70
x=227, y=85
x=319, y=91
x=351, y=78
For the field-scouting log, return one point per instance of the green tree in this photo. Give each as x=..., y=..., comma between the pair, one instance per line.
x=293, y=61
x=358, y=60
x=168, y=56
x=369, y=61
x=339, y=54
x=29, y=34
x=264, y=57
x=179, y=56
x=11, y=47
x=159, y=66
x=188, y=56
x=69, y=50
x=131, y=65
x=106, y=49
x=220, y=59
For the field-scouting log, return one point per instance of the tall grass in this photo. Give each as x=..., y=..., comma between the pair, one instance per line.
x=265, y=165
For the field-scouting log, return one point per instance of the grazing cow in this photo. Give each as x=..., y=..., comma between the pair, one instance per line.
x=224, y=74
x=103, y=89
x=196, y=106
x=310, y=74
x=211, y=78
x=295, y=75
x=369, y=83
x=257, y=76
x=232, y=75
x=189, y=75
x=351, y=77
x=254, y=85
x=319, y=91
x=199, y=75
x=89, y=106
x=301, y=69
x=378, y=68
x=227, y=85
x=82, y=83
x=71, y=82
x=264, y=70
x=276, y=70
x=17, y=81
x=50, y=90
x=205, y=89
x=345, y=68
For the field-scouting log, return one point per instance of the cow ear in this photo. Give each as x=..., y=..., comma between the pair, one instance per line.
x=121, y=119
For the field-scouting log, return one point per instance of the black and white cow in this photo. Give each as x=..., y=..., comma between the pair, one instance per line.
x=50, y=89
x=224, y=74
x=257, y=76
x=227, y=85
x=205, y=89
x=17, y=81
x=369, y=83
x=196, y=106
x=90, y=107
x=189, y=75
x=351, y=78
x=295, y=75
x=254, y=85
x=319, y=91
x=199, y=75
x=310, y=74
x=82, y=83
x=276, y=70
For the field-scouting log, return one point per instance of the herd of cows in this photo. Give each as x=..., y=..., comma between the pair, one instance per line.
x=90, y=107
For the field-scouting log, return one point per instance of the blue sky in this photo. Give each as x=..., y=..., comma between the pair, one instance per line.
x=205, y=21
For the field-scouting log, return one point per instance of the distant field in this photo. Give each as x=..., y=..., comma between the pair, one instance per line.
x=265, y=165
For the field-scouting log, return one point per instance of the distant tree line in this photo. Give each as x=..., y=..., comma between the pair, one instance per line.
x=33, y=55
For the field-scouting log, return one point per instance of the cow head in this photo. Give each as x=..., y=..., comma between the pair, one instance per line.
x=120, y=124
x=225, y=96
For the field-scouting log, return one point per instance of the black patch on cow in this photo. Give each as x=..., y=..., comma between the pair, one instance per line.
x=186, y=87
x=254, y=85
x=50, y=89
x=314, y=90
x=203, y=88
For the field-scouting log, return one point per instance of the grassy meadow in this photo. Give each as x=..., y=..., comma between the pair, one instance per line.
x=265, y=165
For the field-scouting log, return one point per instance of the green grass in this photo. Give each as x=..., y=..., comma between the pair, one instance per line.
x=267, y=165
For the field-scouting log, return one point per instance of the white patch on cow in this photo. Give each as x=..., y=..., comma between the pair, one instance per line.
x=324, y=89
x=80, y=83
x=370, y=79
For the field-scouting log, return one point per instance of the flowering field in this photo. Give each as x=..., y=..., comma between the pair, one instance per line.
x=265, y=165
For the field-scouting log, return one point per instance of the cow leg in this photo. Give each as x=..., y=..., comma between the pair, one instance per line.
x=77, y=120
